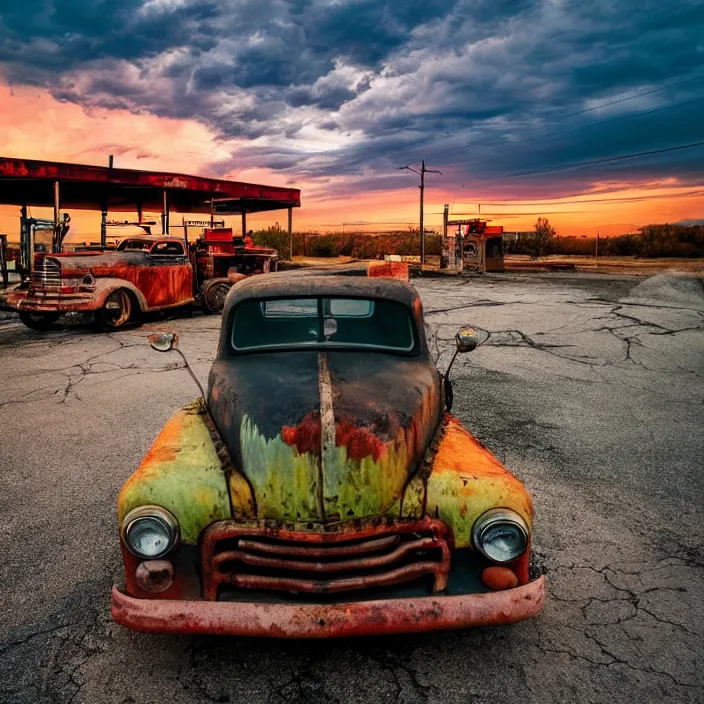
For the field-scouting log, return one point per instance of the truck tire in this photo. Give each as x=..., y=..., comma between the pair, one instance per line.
x=214, y=294
x=38, y=321
x=116, y=312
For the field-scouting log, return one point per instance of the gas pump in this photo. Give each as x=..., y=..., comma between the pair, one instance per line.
x=39, y=235
x=471, y=245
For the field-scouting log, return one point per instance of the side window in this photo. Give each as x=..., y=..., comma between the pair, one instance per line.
x=133, y=246
x=167, y=249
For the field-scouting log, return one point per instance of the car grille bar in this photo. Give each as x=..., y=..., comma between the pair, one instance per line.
x=47, y=273
x=301, y=562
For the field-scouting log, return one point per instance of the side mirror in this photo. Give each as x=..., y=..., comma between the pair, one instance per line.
x=466, y=340
x=163, y=341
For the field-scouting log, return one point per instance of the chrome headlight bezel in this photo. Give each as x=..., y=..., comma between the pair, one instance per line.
x=492, y=518
x=161, y=517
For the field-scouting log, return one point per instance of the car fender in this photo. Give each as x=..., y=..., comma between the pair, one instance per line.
x=104, y=287
x=183, y=473
x=466, y=480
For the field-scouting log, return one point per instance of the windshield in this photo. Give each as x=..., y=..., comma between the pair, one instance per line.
x=352, y=323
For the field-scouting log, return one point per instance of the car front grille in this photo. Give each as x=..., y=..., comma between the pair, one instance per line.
x=47, y=273
x=310, y=563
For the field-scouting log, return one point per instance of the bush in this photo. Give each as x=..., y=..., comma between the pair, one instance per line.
x=347, y=244
x=541, y=241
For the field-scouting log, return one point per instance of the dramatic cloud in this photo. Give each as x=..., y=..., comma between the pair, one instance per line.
x=500, y=94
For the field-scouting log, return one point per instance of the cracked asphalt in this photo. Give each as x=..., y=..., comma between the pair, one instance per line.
x=590, y=388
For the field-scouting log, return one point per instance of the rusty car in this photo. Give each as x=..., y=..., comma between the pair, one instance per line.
x=144, y=274
x=322, y=487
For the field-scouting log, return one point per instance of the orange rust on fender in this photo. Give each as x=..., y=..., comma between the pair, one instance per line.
x=467, y=480
x=389, y=616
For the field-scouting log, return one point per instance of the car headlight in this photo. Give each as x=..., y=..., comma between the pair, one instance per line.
x=501, y=535
x=149, y=532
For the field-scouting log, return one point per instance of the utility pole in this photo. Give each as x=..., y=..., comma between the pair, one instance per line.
x=421, y=173
x=596, y=253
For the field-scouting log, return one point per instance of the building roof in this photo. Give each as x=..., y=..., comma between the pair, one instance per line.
x=87, y=187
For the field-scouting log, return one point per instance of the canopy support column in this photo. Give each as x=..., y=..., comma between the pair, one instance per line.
x=104, y=226
x=244, y=223
x=165, y=214
x=290, y=234
x=57, y=223
x=25, y=254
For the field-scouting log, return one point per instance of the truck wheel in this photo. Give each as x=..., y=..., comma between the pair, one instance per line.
x=116, y=311
x=214, y=295
x=38, y=321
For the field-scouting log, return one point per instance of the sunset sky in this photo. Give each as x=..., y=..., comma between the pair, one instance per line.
x=508, y=99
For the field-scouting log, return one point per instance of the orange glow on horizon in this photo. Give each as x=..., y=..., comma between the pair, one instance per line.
x=34, y=125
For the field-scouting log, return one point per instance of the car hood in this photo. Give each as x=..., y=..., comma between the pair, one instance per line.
x=97, y=263
x=325, y=436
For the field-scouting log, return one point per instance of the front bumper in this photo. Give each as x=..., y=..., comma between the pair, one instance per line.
x=40, y=301
x=285, y=620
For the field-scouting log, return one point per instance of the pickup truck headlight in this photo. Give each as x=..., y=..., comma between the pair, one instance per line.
x=149, y=532
x=500, y=535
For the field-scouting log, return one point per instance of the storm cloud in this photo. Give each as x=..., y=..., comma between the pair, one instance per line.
x=497, y=93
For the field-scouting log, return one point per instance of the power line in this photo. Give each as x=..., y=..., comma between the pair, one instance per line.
x=580, y=164
x=558, y=201
x=637, y=95
x=551, y=134
x=500, y=215
x=572, y=114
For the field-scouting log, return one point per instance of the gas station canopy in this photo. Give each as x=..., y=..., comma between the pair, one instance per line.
x=85, y=187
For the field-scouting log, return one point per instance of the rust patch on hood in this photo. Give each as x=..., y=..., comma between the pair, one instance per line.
x=305, y=436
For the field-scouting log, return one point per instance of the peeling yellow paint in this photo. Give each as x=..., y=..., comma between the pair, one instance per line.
x=467, y=480
x=182, y=473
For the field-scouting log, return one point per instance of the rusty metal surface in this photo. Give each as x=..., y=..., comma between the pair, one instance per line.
x=389, y=270
x=348, y=427
x=384, y=411
x=318, y=473
x=389, y=616
x=287, y=284
x=418, y=548
x=155, y=284
x=26, y=181
x=467, y=479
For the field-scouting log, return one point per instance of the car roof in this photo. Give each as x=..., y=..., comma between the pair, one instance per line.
x=299, y=284
x=152, y=239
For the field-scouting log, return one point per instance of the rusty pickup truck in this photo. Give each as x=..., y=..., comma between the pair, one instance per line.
x=324, y=489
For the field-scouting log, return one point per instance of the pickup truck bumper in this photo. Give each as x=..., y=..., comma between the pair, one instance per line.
x=361, y=618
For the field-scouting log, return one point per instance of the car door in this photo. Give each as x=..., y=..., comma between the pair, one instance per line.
x=167, y=280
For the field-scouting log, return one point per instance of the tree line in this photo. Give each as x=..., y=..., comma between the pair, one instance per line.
x=679, y=241
x=652, y=241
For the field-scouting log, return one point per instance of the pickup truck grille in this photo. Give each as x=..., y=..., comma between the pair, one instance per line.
x=47, y=273
x=309, y=563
